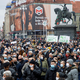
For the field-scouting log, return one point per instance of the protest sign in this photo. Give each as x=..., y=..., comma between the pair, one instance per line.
x=65, y=39
x=14, y=42
x=52, y=38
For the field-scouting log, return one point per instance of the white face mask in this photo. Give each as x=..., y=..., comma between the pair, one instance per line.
x=3, y=78
x=30, y=66
x=67, y=64
x=41, y=57
x=57, y=78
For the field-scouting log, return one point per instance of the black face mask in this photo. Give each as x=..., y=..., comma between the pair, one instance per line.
x=0, y=61
x=36, y=51
x=59, y=58
x=30, y=56
x=15, y=62
x=26, y=61
x=19, y=59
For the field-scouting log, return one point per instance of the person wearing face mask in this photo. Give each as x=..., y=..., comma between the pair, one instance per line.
x=17, y=66
x=21, y=61
x=43, y=66
x=60, y=76
x=32, y=72
x=51, y=72
x=30, y=54
x=62, y=67
x=7, y=67
x=50, y=58
x=52, y=51
x=71, y=70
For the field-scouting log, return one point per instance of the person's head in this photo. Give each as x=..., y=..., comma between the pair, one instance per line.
x=20, y=58
x=32, y=63
x=75, y=53
x=24, y=54
x=9, y=78
x=15, y=60
x=2, y=59
x=7, y=74
x=30, y=54
x=10, y=60
x=62, y=64
x=6, y=65
x=69, y=63
x=59, y=57
x=42, y=57
x=53, y=63
x=78, y=51
x=50, y=55
x=79, y=46
x=62, y=51
x=5, y=56
x=14, y=55
x=67, y=53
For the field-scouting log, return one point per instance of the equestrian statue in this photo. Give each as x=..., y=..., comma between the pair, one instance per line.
x=62, y=14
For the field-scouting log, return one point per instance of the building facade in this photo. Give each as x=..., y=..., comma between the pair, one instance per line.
x=18, y=24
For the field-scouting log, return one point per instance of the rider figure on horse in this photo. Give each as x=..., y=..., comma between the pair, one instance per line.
x=64, y=10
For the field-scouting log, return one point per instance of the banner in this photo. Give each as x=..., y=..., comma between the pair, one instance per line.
x=14, y=42
x=51, y=38
x=36, y=16
x=64, y=39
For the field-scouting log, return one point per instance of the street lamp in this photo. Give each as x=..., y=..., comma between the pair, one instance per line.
x=45, y=25
x=23, y=8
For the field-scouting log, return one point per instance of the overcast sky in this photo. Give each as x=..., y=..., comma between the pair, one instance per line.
x=3, y=4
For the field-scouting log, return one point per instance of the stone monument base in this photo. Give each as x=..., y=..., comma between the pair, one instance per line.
x=69, y=30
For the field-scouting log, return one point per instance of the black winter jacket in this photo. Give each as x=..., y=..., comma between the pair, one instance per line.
x=32, y=75
x=51, y=74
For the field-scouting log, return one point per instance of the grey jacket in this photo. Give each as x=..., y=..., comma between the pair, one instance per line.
x=73, y=74
x=24, y=67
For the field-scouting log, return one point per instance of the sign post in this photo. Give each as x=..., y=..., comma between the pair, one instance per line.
x=45, y=25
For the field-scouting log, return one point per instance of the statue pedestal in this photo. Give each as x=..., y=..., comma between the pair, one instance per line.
x=69, y=30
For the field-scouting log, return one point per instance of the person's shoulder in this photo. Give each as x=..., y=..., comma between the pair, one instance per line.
x=1, y=70
x=28, y=68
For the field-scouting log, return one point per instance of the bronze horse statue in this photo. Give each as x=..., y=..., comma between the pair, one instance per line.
x=61, y=15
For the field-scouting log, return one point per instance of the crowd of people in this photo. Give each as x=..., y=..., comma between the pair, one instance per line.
x=30, y=59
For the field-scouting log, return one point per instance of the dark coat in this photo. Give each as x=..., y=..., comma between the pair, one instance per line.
x=32, y=75
x=10, y=69
x=18, y=69
x=51, y=74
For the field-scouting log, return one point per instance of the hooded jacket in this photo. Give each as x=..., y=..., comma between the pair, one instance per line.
x=72, y=73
